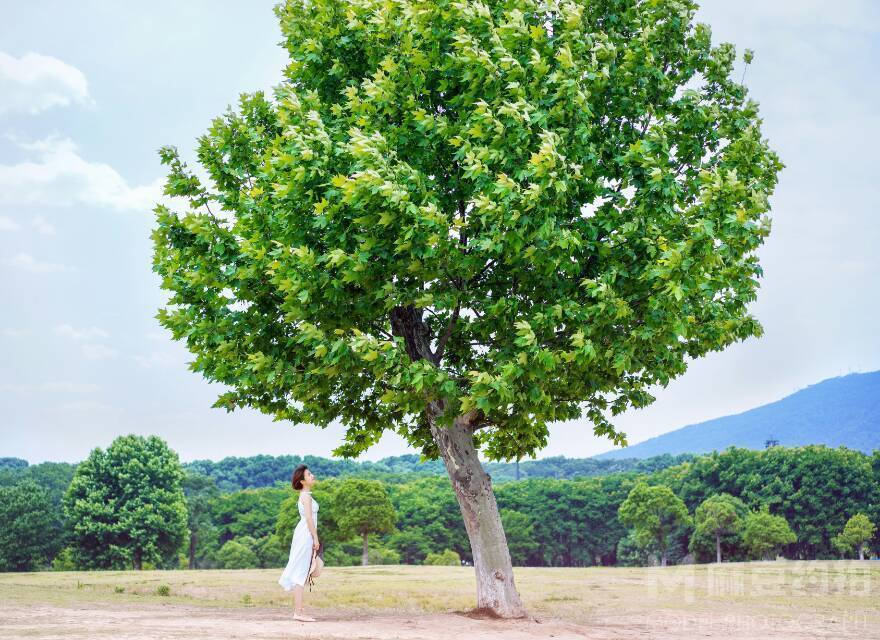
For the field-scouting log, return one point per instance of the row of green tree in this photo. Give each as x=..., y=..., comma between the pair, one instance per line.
x=235, y=473
x=658, y=518
x=135, y=505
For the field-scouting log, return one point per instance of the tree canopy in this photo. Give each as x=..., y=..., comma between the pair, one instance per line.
x=857, y=533
x=531, y=210
x=125, y=506
x=716, y=516
x=653, y=512
x=364, y=508
x=28, y=528
x=764, y=532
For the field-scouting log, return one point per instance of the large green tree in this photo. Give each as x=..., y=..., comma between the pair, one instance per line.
x=763, y=532
x=363, y=508
x=857, y=533
x=653, y=512
x=200, y=491
x=464, y=220
x=125, y=506
x=28, y=527
x=716, y=516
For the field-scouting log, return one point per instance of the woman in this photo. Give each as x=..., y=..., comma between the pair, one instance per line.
x=305, y=540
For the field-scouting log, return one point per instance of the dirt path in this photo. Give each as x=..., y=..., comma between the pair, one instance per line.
x=177, y=621
x=172, y=621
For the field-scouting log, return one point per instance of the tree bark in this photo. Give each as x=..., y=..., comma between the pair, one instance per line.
x=496, y=590
x=663, y=558
x=365, y=557
x=861, y=552
x=192, y=550
x=717, y=547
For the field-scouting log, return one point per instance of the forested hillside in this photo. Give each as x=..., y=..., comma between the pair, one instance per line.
x=232, y=474
x=554, y=519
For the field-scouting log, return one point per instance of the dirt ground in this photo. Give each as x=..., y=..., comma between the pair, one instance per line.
x=784, y=600
x=180, y=621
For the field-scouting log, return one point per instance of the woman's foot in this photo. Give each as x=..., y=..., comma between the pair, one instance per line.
x=302, y=617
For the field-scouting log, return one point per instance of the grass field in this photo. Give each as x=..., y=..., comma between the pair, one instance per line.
x=737, y=600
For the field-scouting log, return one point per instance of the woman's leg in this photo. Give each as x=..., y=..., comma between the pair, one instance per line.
x=298, y=598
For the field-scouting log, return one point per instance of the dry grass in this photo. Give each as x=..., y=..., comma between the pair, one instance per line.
x=841, y=596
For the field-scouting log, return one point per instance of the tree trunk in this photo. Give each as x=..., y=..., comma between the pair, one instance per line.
x=496, y=590
x=137, y=560
x=663, y=555
x=192, y=550
x=717, y=547
x=365, y=556
x=861, y=552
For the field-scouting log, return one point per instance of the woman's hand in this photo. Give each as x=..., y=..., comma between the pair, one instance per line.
x=316, y=544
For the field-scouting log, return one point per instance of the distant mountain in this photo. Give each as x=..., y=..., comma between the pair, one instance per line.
x=837, y=411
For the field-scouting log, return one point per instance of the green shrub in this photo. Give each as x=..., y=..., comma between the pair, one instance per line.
x=383, y=555
x=64, y=561
x=163, y=590
x=235, y=555
x=271, y=552
x=447, y=558
x=411, y=545
x=341, y=555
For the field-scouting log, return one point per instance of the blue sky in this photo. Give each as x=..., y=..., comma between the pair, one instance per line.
x=90, y=90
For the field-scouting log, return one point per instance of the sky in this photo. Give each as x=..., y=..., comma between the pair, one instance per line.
x=90, y=90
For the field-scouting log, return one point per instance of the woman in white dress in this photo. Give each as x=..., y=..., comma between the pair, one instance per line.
x=304, y=542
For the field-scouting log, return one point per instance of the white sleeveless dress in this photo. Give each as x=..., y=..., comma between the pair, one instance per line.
x=297, y=569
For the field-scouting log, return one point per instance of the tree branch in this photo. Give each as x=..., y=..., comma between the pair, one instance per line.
x=482, y=271
x=441, y=343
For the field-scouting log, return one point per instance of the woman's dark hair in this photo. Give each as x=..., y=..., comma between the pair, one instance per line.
x=297, y=479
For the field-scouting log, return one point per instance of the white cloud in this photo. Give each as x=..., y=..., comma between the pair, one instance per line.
x=43, y=226
x=34, y=83
x=71, y=387
x=58, y=176
x=27, y=262
x=80, y=334
x=98, y=352
x=158, y=359
x=8, y=332
x=58, y=386
x=8, y=224
x=86, y=406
